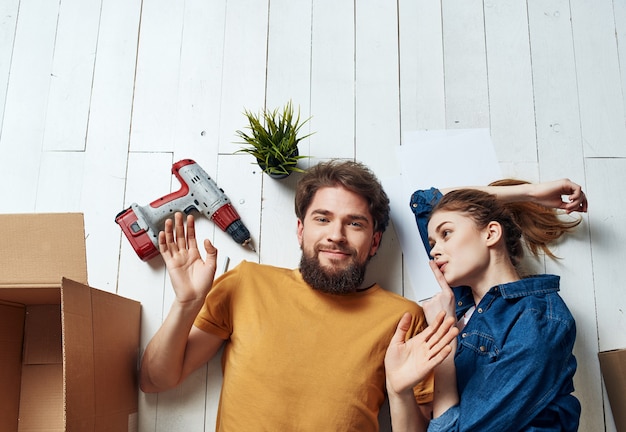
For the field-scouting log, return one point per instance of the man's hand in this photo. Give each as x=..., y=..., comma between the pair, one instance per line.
x=191, y=277
x=409, y=362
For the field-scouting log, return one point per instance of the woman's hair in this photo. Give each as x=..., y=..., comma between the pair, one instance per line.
x=353, y=176
x=534, y=224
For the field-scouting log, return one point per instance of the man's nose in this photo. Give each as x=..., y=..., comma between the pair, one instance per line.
x=336, y=232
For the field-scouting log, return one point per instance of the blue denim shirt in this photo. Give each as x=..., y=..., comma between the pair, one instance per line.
x=514, y=360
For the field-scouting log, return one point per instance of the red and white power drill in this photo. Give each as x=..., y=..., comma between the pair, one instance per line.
x=141, y=224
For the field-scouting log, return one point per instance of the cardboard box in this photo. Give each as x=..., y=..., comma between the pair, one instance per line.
x=613, y=367
x=68, y=352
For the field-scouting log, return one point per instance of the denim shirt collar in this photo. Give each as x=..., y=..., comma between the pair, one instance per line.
x=532, y=285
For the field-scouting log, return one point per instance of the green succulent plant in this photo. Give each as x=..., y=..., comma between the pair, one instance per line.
x=273, y=139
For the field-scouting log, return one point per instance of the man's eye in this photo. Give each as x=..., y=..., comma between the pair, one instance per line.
x=356, y=224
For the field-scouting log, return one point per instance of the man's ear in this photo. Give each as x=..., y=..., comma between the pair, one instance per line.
x=378, y=236
x=300, y=231
x=494, y=233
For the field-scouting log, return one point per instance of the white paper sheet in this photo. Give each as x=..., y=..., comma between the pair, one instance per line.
x=443, y=158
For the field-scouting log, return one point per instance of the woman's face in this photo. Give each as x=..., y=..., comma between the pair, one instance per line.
x=458, y=247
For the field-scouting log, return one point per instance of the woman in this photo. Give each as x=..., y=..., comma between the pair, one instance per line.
x=513, y=365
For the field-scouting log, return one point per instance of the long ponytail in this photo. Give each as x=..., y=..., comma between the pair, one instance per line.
x=534, y=224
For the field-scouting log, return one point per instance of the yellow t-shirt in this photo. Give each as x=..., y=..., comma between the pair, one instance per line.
x=298, y=359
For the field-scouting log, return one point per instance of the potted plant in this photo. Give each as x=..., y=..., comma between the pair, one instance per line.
x=273, y=140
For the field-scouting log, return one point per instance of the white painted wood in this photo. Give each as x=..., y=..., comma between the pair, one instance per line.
x=244, y=70
x=619, y=11
x=26, y=100
x=377, y=87
x=58, y=190
x=289, y=55
x=332, y=79
x=422, y=95
x=555, y=87
x=8, y=22
x=156, y=83
x=465, y=64
x=597, y=69
x=511, y=109
x=72, y=75
x=200, y=79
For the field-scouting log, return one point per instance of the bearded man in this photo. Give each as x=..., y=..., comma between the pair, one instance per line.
x=303, y=348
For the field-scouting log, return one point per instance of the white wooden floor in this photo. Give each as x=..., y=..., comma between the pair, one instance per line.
x=99, y=97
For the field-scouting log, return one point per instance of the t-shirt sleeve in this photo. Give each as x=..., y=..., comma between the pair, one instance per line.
x=422, y=203
x=216, y=314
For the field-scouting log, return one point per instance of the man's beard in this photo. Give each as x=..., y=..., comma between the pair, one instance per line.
x=339, y=281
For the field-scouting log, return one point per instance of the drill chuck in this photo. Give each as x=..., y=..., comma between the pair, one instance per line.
x=239, y=232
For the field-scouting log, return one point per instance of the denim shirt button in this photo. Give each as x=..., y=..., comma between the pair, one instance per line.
x=414, y=205
x=482, y=348
x=460, y=303
x=480, y=310
x=464, y=335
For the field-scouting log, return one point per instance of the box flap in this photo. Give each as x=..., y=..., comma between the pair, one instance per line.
x=40, y=248
x=101, y=363
x=11, y=334
x=613, y=367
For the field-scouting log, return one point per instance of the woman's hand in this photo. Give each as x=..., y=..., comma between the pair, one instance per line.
x=409, y=362
x=442, y=301
x=550, y=194
x=191, y=277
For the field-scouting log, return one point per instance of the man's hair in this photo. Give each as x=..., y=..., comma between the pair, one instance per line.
x=353, y=176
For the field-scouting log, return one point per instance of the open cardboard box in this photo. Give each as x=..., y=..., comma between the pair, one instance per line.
x=613, y=367
x=68, y=352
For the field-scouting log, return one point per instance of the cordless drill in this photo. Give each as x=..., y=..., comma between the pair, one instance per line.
x=141, y=224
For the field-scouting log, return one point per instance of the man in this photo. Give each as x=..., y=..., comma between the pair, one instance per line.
x=304, y=348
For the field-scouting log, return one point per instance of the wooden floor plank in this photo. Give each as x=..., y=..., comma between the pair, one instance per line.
x=8, y=23
x=26, y=101
x=332, y=79
x=598, y=75
x=465, y=65
x=422, y=92
x=157, y=78
x=72, y=75
x=511, y=104
x=244, y=69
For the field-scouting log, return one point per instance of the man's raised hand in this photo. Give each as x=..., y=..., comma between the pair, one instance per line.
x=191, y=276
